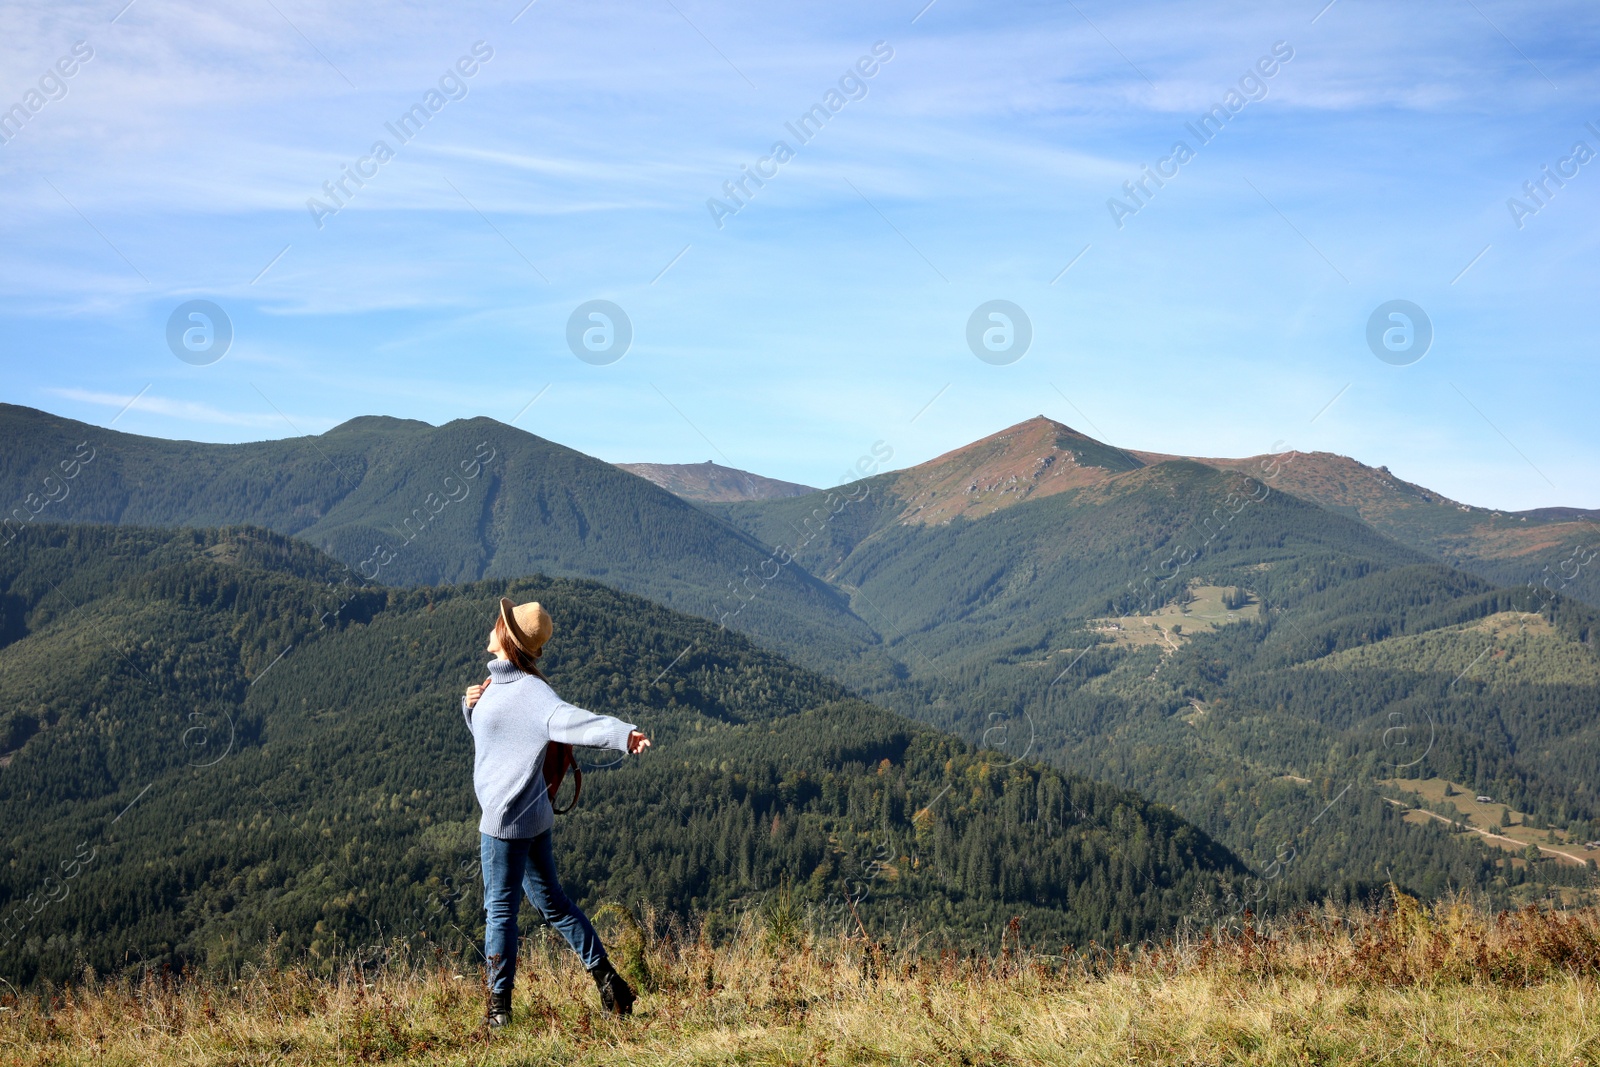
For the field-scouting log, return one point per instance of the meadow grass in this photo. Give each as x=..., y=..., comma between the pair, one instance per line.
x=1403, y=984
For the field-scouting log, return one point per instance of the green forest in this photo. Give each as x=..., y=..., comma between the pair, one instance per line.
x=197, y=768
x=1001, y=629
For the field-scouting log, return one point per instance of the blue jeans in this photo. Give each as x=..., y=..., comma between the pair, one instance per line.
x=510, y=870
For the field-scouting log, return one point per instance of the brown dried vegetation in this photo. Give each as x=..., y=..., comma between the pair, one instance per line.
x=1400, y=984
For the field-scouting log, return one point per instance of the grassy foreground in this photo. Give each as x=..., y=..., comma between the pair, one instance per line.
x=1402, y=985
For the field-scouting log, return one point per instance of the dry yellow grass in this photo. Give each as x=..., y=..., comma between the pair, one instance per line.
x=1404, y=985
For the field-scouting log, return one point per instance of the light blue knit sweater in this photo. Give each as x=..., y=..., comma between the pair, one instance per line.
x=516, y=717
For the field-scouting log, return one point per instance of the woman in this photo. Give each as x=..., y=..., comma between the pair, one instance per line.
x=513, y=715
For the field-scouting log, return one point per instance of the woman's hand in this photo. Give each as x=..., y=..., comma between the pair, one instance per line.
x=476, y=691
x=637, y=743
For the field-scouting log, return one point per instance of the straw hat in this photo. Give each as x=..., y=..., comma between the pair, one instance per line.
x=528, y=624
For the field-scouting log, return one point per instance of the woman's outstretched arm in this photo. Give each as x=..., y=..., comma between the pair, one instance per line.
x=573, y=725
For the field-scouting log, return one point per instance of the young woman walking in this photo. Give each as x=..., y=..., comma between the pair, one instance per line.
x=513, y=716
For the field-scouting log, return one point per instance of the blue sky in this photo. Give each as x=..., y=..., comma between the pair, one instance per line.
x=830, y=311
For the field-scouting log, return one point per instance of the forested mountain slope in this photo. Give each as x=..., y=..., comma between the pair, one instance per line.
x=1169, y=626
x=194, y=766
x=401, y=502
x=1124, y=542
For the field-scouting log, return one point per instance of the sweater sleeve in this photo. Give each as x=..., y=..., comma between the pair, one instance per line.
x=466, y=712
x=574, y=726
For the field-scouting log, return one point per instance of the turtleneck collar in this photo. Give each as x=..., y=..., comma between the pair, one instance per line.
x=501, y=670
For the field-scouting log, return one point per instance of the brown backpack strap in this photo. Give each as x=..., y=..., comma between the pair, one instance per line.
x=577, y=787
x=557, y=762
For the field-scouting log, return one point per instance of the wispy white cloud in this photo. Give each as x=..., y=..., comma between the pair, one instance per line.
x=190, y=411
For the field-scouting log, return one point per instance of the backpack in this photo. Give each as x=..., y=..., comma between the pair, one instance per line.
x=558, y=760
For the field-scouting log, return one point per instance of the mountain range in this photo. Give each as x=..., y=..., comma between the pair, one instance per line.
x=402, y=502
x=1042, y=457
x=1294, y=652
x=1199, y=632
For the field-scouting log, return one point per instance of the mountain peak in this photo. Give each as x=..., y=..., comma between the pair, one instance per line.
x=1041, y=423
x=1036, y=457
x=710, y=482
x=377, y=424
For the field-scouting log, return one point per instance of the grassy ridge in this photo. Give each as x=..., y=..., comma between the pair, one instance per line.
x=1406, y=985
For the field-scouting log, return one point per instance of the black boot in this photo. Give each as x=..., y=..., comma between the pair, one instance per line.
x=616, y=995
x=499, y=1009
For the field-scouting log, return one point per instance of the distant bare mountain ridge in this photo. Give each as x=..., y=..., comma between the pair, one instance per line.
x=710, y=482
x=1547, y=546
x=1041, y=457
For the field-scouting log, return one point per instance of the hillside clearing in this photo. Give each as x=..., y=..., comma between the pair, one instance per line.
x=1484, y=818
x=1202, y=609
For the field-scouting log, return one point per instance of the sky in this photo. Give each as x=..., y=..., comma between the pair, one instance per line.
x=843, y=300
